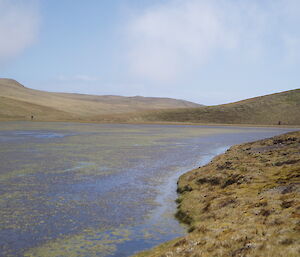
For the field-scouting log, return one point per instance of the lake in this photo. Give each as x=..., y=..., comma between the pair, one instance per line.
x=72, y=189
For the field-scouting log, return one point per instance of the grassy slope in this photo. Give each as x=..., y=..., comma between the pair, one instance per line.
x=246, y=202
x=268, y=110
x=11, y=109
x=264, y=110
x=77, y=106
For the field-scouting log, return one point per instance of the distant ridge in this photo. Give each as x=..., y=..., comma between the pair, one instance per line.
x=10, y=83
x=20, y=103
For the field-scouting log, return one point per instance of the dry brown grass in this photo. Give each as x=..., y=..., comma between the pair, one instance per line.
x=19, y=102
x=268, y=110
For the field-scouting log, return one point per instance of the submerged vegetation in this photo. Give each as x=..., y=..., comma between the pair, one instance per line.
x=246, y=202
x=71, y=189
x=74, y=187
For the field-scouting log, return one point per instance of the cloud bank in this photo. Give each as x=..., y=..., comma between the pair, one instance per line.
x=170, y=38
x=19, y=24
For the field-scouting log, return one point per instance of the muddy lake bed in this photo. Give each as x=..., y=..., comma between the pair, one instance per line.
x=75, y=189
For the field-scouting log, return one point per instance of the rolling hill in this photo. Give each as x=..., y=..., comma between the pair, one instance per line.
x=271, y=109
x=19, y=103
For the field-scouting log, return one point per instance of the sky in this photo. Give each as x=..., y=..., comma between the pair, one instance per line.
x=205, y=51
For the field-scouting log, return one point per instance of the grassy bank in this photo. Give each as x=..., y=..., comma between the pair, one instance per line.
x=246, y=202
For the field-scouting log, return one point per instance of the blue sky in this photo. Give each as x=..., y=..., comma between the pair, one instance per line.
x=206, y=51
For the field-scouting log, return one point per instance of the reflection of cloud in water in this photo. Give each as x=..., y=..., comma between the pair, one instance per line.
x=26, y=135
x=38, y=134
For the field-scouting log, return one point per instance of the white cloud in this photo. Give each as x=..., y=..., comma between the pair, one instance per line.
x=165, y=36
x=19, y=24
x=169, y=39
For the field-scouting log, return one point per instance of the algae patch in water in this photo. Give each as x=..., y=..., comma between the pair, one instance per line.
x=89, y=243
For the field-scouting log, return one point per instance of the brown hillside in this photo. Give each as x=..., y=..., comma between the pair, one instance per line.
x=18, y=101
x=268, y=110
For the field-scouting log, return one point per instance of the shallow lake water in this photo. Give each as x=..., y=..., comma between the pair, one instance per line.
x=70, y=189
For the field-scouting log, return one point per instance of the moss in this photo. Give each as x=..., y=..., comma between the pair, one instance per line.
x=232, y=179
x=183, y=217
x=212, y=181
x=186, y=188
x=178, y=200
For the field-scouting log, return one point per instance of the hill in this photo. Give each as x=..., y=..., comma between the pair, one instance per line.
x=267, y=110
x=19, y=103
x=243, y=203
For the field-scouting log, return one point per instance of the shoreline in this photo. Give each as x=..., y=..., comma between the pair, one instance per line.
x=159, y=123
x=245, y=202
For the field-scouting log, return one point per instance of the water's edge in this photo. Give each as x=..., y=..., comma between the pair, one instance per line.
x=260, y=179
